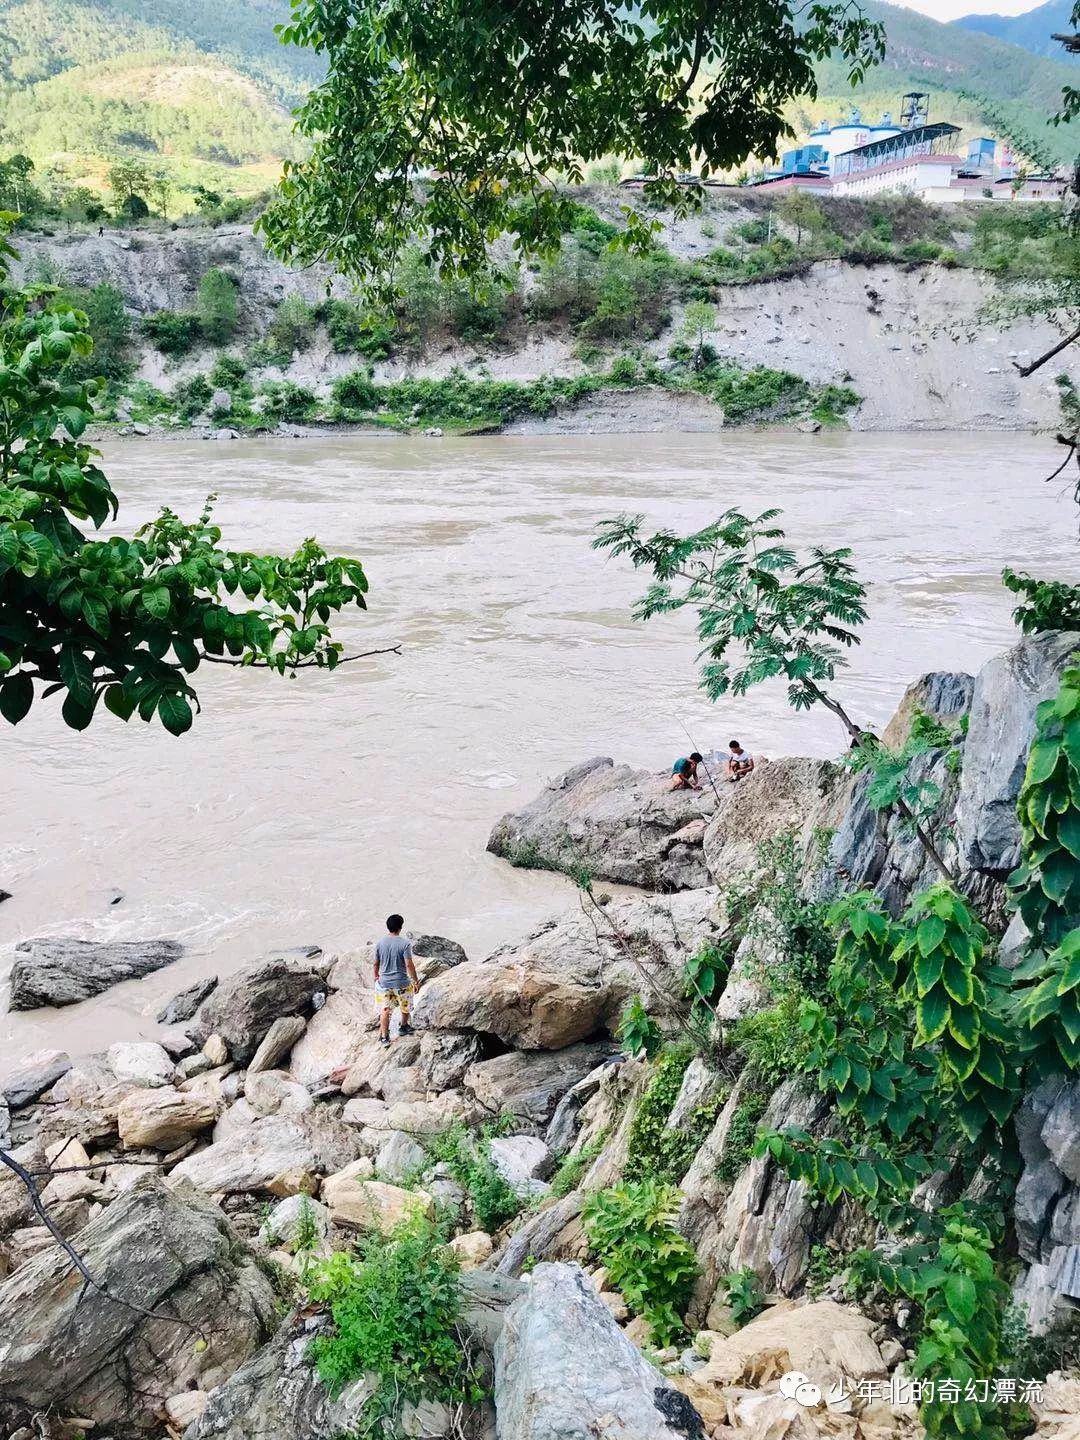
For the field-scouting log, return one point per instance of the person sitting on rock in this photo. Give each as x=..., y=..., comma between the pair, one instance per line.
x=684, y=773
x=396, y=981
x=740, y=762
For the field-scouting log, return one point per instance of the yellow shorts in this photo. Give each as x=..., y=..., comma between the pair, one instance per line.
x=395, y=999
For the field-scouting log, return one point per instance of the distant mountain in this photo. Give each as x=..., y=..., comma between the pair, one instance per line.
x=1031, y=31
x=200, y=88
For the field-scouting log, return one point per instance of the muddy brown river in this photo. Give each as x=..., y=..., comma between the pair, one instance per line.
x=303, y=811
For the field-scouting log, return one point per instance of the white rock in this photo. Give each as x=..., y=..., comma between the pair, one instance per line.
x=371, y=1204
x=140, y=1061
x=184, y=1409
x=523, y=1161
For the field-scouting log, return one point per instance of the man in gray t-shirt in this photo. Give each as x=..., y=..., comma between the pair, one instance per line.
x=396, y=980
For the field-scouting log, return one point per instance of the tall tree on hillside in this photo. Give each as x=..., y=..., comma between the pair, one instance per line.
x=161, y=190
x=484, y=102
x=128, y=180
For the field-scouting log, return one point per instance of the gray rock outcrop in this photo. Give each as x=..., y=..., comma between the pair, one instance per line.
x=245, y=1005
x=619, y=823
x=1047, y=1204
x=65, y=971
x=33, y=1075
x=572, y=977
x=183, y=1005
x=165, y=1250
x=1008, y=690
x=565, y=1371
x=278, y=1395
x=780, y=794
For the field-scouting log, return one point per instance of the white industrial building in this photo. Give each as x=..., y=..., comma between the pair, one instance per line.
x=914, y=157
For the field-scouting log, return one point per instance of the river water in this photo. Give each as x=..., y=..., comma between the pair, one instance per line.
x=303, y=811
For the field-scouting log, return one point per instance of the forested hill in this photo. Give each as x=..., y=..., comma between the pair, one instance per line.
x=200, y=88
x=42, y=38
x=1031, y=31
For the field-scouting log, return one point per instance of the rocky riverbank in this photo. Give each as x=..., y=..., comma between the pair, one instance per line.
x=911, y=342
x=199, y=1178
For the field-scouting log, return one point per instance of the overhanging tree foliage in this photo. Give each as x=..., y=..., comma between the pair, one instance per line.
x=125, y=622
x=485, y=101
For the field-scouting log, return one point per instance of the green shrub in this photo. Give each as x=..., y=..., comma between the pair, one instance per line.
x=573, y=1168
x=355, y=393
x=172, y=332
x=743, y=1294
x=282, y=400
x=228, y=372
x=831, y=402
x=920, y=251
x=396, y=1308
x=772, y=1042
x=293, y=326
x=624, y=371
x=741, y=1135
x=469, y=1158
x=760, y=394
x=110, y=330
x=637, y=1032
x=649, y=1150
x=656, y=1151
x=631, y=1230
x=355, y=331
x=216, y=305
x=191, y=397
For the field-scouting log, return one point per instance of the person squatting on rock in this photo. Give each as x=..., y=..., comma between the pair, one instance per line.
x=684, y=774
x=740, y=762
x=396, y=981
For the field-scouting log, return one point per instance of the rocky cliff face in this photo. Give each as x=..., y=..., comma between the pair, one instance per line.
x=912, y=340
x=186, y=1172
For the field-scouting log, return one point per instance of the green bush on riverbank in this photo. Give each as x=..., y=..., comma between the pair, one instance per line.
x=459, y=404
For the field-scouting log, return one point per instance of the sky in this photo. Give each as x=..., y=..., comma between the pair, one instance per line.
x=953, y=9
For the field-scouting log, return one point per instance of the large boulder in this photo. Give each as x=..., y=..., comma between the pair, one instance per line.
x=32, y=1076
x=791, y=793
x=162, y=1119
x=823, y=1341
x=252, y=1159
x=572, y=977
x=184, y=1004
x=529, y=1084
x=565, y=1371
x=279, y=1395
x=242, y=1008
x=1008, y=690
x=69, y=1347
x=619, y=823
x=65, y=971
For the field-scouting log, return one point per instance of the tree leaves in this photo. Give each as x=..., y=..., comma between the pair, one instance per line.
x=484, y=102
x=101, y=618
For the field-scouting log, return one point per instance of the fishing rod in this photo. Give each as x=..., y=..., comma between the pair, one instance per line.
x=693, y=746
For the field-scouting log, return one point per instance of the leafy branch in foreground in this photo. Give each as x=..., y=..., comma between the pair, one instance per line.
x=1046, y=886
x=125, y=621
x=762, y=614
x=445, y=122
